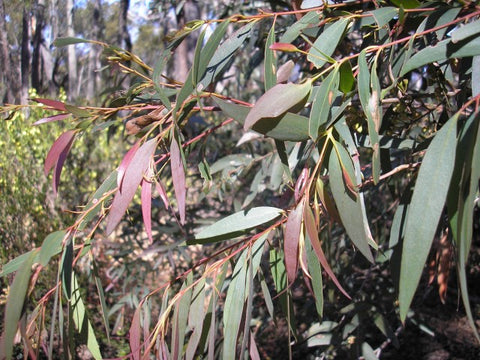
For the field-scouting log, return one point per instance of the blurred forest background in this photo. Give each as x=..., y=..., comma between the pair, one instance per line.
x=31, y=66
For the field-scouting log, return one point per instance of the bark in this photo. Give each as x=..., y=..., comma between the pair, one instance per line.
x=25, y=57
x=123, y=35
x=7, y=77
x=184, y=54
x=93, y=79
x=71, y=54
x=37, y=78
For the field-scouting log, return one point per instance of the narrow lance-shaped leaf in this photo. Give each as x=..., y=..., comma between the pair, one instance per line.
x=278, y=100
x=426, y=207
x=146, y=197
x=55, y=104
x=15, y=300
x=52, y=245
x=312, y=233
x=125, y=163
x=132, y=178
x=57, y=148
x=82, y=323
x=238, y=223
x=350, y=210
x=289, y=127
x=290, y=241
x=270, y=62
x=322, y=104
x=178, y=176
x=51, y=119
x=135, y=337
x=325, y=45
x=59, y=165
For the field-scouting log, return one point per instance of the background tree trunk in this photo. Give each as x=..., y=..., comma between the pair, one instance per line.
x=71, y=54
x=93, y=78
x=123, y=35
x=7, y=77
x=25, y=56
x=39, y=16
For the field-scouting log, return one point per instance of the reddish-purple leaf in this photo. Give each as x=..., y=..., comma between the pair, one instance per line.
x=285, y=47
x=135, y=335
x=147, y=207
x=59, y=165
x=312, y=233
x=254, y=354
x=163, y=194
x=57, y=148
x=290, y=242
x=57, y=105
x=124, y=164
x=51, y=119
x=300, y=185
x=178, y=176
x=132, y=178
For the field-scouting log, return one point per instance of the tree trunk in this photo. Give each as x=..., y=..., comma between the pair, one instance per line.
x=185, y=52
x=25, y=57
x=71, y=54
x=7, y=77
x=123, y=35
x=37, y=79
x=93, y=79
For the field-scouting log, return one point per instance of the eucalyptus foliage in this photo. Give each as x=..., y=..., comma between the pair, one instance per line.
x=277, y=181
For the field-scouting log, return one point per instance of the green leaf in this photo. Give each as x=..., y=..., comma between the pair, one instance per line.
x=157, y=78
x=94, y=205
x=78, y=112
x=16, y=263
x=52, y=245
x=407, y=4
x=180, y=318
x=277, y=101
x=315, y=271
x=82, y=323
x=294, y=30
x=442, y=51
x=208, y=51
x=237, y=294
x=270, y=64
x=322, y=104
x=237, y=224
x=101, y=295
x=14, y=306
x=347, y=80
x=427, y=204
x=223, y=54
x=466, y=31
x=325, y=45
x=383, y=15
x=288, y=127
x=350, y=210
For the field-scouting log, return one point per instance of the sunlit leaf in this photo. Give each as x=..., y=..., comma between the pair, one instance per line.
x=324, y=46
x=14, y=305
x=237, y=224
x=276, y=101
x=347, y=80
x=64, y=41
x=427, y=204
x=270, y=62
x=132, y=178
x=63, y=142
x=466, y=31
x=15, y=264
x=442, y=51
x=291, y=237
x=350, y=210
x=223, y=54
x=178, y=175
x=146, y=197
x=82, y=323
x=52, y=245
x=51, y=119
x=289, y=127
x=55, y=104
x=294, y=30
x=322, y=104
x=383, y=15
